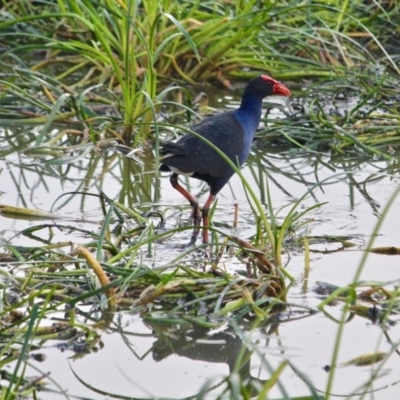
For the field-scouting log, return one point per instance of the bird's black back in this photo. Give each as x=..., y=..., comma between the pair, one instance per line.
x=191, y=155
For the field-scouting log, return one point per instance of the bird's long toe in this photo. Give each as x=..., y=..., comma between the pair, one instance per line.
x=196, y=218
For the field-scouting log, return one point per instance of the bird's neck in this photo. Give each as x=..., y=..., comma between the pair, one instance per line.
x=249, y=113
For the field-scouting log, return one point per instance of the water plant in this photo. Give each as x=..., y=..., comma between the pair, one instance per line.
x=80, y=78
x=121, y=55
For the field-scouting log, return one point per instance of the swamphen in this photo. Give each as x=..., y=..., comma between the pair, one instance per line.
x=232, y=132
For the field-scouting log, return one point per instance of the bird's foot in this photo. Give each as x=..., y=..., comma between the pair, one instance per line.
x=196, y=218
x=195, y=234
x=196, y=215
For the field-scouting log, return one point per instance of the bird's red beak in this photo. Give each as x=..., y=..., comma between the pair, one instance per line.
x=277, y=87
x=280, y=89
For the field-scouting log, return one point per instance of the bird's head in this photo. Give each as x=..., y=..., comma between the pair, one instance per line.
x=274, y=87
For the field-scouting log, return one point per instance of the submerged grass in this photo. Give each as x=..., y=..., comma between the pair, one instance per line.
x=47, y=283
x=82, y=294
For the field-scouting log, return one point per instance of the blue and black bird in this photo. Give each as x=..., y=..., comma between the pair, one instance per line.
x=232, y=132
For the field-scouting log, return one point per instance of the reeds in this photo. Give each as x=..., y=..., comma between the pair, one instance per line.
x=92, y=75
x=81, y=54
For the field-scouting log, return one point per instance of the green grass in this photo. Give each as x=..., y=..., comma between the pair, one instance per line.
x=89, y=74
x=66, y=59
x=55, y=276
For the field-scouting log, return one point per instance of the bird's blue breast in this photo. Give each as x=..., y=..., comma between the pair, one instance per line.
x=249, y=123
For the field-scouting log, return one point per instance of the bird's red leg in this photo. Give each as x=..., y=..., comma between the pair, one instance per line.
x=193, y=202
x=206, y=210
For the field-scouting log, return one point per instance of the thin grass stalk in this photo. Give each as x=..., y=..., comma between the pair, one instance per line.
x=14, y=384
x=105, y=231
x=98, y=270
x=50, y=118
x=353, y=286
x=341, y=14
x=271, y=382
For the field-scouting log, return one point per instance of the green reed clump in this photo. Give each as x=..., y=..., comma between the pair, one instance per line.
x=342, y=117
x=130, y=49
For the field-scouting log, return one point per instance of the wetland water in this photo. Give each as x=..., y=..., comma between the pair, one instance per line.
x=137, y=359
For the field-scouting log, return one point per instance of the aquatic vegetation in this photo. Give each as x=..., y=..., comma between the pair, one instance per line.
x=107, y=63
x=80, y=79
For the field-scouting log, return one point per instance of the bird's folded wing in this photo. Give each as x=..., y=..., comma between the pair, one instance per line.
x=169, y=149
